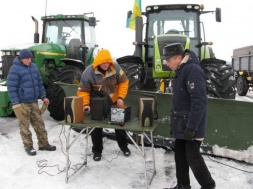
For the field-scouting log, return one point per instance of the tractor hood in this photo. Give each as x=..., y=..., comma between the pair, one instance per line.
x=38, y=47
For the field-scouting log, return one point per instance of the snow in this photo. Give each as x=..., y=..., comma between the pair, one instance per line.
x=46, y=170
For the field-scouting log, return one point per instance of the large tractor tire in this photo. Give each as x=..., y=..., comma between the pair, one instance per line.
x=242, y=86
x=219, y=79
x=133, y=67
x=55, y=93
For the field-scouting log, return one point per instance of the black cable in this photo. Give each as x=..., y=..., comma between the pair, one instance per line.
x=229, y=165
x=43, y=164
x=110, y=161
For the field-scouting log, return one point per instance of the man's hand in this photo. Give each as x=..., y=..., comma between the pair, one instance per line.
x=86, y=108
x=189, y=134
x=46, y=101
x=120, y=102
x=19, y=112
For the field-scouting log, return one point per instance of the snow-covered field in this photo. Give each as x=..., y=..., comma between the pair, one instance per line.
x=46, y=170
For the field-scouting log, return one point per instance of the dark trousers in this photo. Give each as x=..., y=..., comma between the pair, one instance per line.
x=187, y=154
x=97, y=139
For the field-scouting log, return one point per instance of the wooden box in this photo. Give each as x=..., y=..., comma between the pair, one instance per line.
x=73, y=109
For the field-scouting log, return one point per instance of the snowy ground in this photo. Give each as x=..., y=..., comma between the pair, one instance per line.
x=46, y=170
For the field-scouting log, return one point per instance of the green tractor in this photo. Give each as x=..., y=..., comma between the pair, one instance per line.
x=67, y=47
x=166, y=24
x=150, y=78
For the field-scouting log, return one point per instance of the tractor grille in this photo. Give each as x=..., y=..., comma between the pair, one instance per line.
x=7, y=61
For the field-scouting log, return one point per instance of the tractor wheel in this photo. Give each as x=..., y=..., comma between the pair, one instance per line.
x=242, y=86
x=134, y=69
x=220, y=80
x=55, y=93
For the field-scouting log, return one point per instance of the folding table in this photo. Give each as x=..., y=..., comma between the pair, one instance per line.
x=88, y=126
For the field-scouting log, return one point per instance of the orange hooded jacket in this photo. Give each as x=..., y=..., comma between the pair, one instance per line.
x=114, y=81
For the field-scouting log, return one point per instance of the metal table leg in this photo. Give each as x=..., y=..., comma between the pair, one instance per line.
x=144, y=159
x=143, y=134
x=68, y=146
x=67, y=156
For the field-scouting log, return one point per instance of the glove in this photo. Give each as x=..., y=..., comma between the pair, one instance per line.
x=19, y=112
x=43, y=108
x=188, y=134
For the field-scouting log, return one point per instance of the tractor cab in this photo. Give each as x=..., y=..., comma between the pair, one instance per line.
x=72, y=31
x=168, y=24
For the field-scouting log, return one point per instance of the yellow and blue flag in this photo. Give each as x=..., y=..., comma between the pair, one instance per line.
x=136, y=12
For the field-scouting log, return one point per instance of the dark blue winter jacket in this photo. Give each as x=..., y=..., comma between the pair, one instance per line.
x=24, y=83
x=189, y=101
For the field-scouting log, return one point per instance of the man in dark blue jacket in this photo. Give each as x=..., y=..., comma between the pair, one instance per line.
x=25, y=88
x=188, y=115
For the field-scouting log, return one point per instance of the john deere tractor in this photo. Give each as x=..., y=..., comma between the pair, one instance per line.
x=66, y=48
x=166, y=24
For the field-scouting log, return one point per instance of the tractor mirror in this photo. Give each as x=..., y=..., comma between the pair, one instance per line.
x=92, y=21
x=218, y=14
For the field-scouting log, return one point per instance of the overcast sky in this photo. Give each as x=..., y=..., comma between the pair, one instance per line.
x=17, y=26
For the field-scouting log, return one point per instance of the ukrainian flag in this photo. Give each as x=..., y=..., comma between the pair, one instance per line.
x=136, y=12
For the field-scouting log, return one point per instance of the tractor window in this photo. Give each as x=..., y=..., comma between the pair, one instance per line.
x=62, y=31
x=171, y=22
x=51, y=35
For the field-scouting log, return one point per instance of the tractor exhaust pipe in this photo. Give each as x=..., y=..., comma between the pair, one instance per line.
x=138, y=37
x=36, y=34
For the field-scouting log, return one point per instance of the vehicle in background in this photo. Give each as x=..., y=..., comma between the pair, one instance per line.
x=166, y=24
x=66, y=48
x=242, y=62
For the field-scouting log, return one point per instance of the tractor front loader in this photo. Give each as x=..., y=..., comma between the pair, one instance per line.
x=229, y=130
x=166, y=24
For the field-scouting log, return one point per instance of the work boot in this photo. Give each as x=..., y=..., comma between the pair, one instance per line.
x=48, y=147
x=210, y=186
x=30, y=151
x=126, y=151
x=97, y=156
x=180, y=187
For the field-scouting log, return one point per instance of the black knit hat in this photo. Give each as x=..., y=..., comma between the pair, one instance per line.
x=172, y=50
x=25, y=53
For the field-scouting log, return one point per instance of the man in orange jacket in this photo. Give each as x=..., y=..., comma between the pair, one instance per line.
x=104, y=75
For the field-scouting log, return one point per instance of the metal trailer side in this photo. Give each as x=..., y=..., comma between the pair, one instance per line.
x=242, y=63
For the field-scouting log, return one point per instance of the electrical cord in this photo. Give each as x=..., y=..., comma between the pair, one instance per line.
x=229, y=165
x=42, y=164
x=110, y=161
